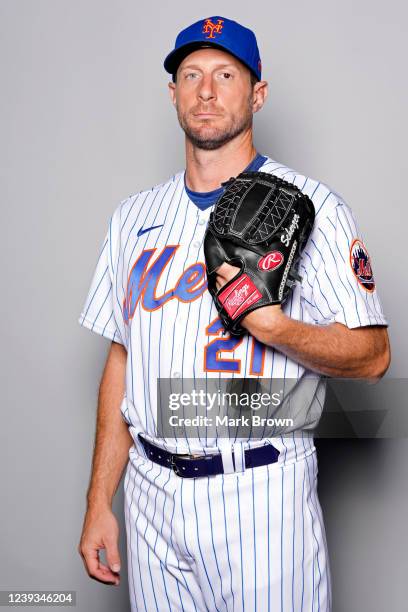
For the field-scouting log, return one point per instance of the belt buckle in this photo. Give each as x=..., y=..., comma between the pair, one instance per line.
x=177, y=470
x=173, y=465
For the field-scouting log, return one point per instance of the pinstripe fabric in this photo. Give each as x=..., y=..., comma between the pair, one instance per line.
x=170, y=339
x=252, y=540
x=243, y=541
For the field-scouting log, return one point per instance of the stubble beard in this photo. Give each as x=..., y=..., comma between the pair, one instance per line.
x=218, y=137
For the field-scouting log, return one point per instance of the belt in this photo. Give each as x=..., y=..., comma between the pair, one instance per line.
x=189, y=466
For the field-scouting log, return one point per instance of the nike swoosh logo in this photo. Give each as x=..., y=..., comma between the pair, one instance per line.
x=147, y=229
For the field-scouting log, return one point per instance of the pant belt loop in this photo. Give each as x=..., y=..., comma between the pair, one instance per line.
x=226, y=447
x=141, y=445
x=239, y=457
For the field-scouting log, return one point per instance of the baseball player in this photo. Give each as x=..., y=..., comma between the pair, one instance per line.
x=215, y=523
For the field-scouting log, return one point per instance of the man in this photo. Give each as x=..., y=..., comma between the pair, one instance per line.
x=243, y=537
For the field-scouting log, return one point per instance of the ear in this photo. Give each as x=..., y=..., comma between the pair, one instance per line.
x=172, y=92
x=260, y=94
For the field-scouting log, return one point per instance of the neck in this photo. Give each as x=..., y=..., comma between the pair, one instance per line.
x=206, y=170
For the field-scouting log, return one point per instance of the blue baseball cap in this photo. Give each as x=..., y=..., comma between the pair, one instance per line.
x=220, y=33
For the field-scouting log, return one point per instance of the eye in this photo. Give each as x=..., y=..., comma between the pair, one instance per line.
x=191, y=75
x=226, y=75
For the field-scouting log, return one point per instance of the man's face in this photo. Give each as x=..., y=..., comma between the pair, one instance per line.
x=213, y=97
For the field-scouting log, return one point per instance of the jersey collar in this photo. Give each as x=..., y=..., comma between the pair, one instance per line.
x=205, y=199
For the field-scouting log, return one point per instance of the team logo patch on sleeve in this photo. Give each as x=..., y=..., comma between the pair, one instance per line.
x=361, y=265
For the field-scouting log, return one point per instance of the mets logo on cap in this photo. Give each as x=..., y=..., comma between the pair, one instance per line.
x=211, y=28
x=361, y=265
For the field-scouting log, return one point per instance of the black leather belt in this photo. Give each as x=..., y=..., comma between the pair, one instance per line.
x=189, y=466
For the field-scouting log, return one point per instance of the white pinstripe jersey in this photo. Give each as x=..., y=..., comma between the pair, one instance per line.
x=148, y=292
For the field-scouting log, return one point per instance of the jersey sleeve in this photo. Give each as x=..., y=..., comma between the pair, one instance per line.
x=337, y=276
x=99, y=313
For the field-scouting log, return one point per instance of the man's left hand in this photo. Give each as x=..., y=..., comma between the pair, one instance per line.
x=260, y=319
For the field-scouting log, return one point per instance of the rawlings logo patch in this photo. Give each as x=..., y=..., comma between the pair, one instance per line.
x=238, y=296
x=361, y=265
x=289, y=231
x=270, y=261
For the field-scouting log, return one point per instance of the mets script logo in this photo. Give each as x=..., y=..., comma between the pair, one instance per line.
x=361, y=265
x=146, y=274
x=211, y=28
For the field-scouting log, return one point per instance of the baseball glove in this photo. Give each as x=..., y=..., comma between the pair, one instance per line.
x=261, y=224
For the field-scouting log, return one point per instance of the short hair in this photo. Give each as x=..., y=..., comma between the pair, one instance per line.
x=254, y=78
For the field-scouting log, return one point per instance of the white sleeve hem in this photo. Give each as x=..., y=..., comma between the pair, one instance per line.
x=106, y=332
x=353, y=321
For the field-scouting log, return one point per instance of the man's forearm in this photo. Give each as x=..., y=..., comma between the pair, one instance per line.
x=332, y=350
x=112, y=438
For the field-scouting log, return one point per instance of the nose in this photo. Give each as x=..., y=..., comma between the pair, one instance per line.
x=206, y=90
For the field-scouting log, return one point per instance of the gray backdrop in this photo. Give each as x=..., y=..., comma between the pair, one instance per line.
x=86, y=121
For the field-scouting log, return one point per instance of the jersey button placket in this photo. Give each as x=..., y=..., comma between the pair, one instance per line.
x=177, y=351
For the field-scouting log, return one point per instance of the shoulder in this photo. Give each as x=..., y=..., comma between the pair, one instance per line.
x=326, y=200
x=132, y=205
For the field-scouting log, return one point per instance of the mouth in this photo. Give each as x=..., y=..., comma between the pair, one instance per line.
x=205, y=115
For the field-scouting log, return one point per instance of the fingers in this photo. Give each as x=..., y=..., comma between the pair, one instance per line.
x=112, y=555
x=96, y=569
x=225, y=273
x=100, y=532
